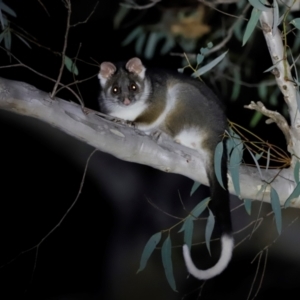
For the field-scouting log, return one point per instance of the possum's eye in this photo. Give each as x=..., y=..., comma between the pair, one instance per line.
x=116, y=90
x=133, y=87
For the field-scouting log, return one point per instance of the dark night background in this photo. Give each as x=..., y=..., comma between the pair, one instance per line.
x=95, y=252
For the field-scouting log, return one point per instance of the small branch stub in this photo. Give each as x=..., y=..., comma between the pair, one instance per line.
x=274, y=116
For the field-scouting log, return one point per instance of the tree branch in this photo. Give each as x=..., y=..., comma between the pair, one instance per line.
x=283, y=78
x=129, y=144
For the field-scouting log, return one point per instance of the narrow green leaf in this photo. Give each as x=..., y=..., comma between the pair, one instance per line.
x=293, y=195
x=7, y=9
x=255, y=14
x=296, y=171
x=234, y=168
x=275, y=203
x=120, y=16
x=168, y=45
x=2, y=35
x=298, y=99
x=7, y=40
x=200, y=58
x=132, y=35
x=2, y=19
x=296, y=44
x=262, y=91
x=166, y=253
x=258, y=156
x=273, y=99
x=280, y=20
x=248, y=204
x=148, y=250
x=140, y=43
x=218, y=162
x=256, y=163
x=229, y=142
x=200, y=207
x=25, y=42
x=195, y=187
x=209, y=66
x=259, y=4
x=70, y=65
x=187, y=228
x=255, y=119
x=275, y=17
x=270, y=69
x=268, y=159
x=153, y=39
x=210, y=45
x=209, y=229
x=204, y=51
x=296, y=23
x=238, y=30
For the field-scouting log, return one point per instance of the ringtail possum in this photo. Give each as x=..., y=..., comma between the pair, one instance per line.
x=185, y=109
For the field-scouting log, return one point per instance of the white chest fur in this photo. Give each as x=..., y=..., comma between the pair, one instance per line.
x=193, y=138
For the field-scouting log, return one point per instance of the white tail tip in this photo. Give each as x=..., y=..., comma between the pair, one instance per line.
x=226, y=253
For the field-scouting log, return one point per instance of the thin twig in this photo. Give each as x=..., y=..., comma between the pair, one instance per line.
x=133, y=5
x=86, y=20
x=68, y=6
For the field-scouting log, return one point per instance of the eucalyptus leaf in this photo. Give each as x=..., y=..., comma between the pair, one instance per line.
x=7, y=40
x=268, y=159
x=259, y=4
x=255, y=14
x=168, y=45
x=234, y=168
x=298, y=99
x=258, y=156
x=275, y=17
x=270, y=69
x=200, y=207
x=293, y=195
x=204, y=51
x=2, y=35
x=218, y=162
x=120, y=15
x=7, y=9
x=148, y=250
x=209, y=229
x=166, y=253
x=200, y=58
x=296, y=23
x=70, y=65
x=256, y=163
x=296, y=171
x=151, y=44
x=140, y=43
x=210, y=45
x=25, y=42
x=237, y=30
x=195, y=187
x=262, y=91
x=2, y=20
x=255, y=119
x=209, y=66
x=275, y=203
x=133, y=35
x=187, y=228
x=248, y=204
